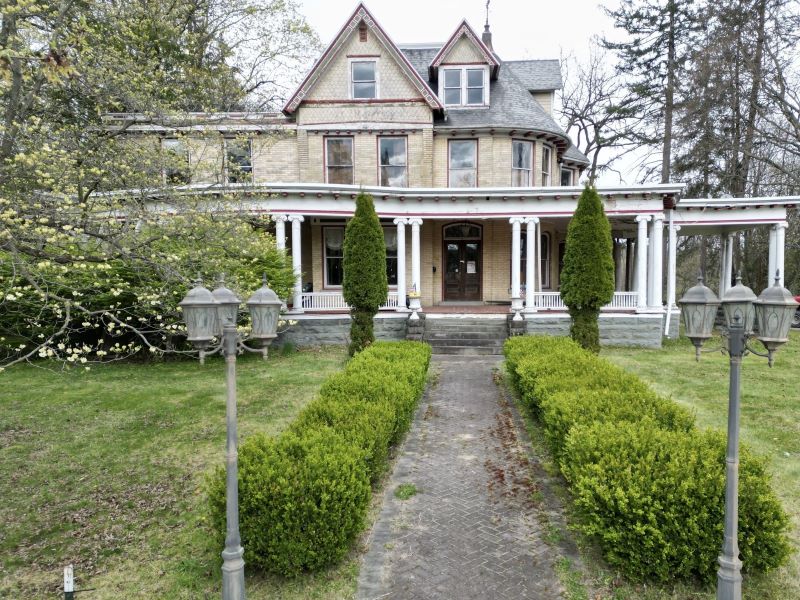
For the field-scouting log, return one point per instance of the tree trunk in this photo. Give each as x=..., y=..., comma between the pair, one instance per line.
x=669, y=98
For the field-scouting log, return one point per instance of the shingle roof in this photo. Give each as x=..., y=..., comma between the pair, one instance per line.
x=574, y=155
x=537, y=75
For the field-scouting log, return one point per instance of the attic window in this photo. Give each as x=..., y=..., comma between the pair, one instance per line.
x=362, y=32
x=363, y=79
x=464, y=86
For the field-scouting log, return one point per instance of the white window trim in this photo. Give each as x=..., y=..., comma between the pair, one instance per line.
x=533, y=161
x=571, y=174
x=225, y=142
x=352, y=154
x=548, y=150
x=464, y=69
x=325, y=284
x=350, y=82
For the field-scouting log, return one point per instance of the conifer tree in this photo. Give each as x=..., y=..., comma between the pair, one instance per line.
x=365, y=285
x=587, y=279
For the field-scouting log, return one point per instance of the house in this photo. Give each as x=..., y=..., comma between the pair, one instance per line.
x=473, y=179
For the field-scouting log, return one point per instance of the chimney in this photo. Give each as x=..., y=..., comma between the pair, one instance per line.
x=486, y=37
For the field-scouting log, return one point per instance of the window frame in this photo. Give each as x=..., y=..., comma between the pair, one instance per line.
x=380, y=165
x=166, y=170
x=533, y=162
x=326, y=161
x=351, y=62
x=325, y=282
x=571, y=176
x=464, y=70
x=468, y=87
x=226, y=159
x=547, y=176
x=449, y=160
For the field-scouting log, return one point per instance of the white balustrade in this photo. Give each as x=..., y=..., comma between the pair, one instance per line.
x=323, y=301
x=553, y=301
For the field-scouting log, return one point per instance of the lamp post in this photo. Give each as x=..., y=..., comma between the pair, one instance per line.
x=209, y=315
x=772, y=311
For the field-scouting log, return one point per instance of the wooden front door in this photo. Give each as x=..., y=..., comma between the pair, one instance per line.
x=462, y=270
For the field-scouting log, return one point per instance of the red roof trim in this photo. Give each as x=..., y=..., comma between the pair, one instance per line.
x=361, y=13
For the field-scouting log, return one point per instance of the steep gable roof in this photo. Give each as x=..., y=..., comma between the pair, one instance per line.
x=537, y=75
x=361, y=14
x=464, y=30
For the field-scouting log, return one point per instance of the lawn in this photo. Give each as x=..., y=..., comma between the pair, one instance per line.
x=105, y=469
x=770, y=423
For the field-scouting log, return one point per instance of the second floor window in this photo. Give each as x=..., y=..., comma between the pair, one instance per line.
x=393, y=161
x=339, y=160
x=365, y=84
x=547, y=158
x=463, y=163
x=521, y=163
x=567, y=176
x=238, y=161
x=176, y=161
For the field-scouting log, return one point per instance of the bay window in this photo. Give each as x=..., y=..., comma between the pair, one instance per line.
x=547, y=159
x=521, y=163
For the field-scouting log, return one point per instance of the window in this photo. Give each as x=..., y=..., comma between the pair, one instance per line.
x=474, y=86
x=339, y=160
x=567, y=176
x=452, y=86
x=334, y=255
x=546, y=162
x=464, y=86
x=365, y=84
x=544, y=260
x=393, y=161
x=463, y=163
x=521, y=163
x=176, y=161
x=238, y=160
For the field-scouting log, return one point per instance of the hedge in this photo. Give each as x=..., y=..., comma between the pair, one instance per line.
x=303, y=496
x=649, y=485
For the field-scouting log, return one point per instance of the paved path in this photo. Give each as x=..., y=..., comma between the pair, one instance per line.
x=473, y=530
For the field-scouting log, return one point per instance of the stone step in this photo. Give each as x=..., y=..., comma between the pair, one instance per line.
x=468, y=350
x=466, y=327
x=440, y=343
x=465, y=335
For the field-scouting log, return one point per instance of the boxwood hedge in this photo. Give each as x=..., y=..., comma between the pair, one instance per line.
x=649, y=485
x=303, y=495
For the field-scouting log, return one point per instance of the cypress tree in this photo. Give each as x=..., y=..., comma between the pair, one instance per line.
x=587, y=280
x=365, y=286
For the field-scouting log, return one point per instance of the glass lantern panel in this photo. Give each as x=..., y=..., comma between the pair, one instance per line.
x=201, y=322
x=265, y=321
x=228, y=312
x=774, y=322
x=739, y=314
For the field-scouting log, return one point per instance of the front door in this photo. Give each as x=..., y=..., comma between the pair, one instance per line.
x=462, y=272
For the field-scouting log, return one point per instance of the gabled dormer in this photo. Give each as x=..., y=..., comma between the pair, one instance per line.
x=362, y=65
x=463, y=69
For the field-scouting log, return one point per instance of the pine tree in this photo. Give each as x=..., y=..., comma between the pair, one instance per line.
x=587, y=280
x=365, y=286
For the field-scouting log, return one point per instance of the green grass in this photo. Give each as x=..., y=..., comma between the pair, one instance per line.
x=405, y=491
x=104, y=469
x=770, y=424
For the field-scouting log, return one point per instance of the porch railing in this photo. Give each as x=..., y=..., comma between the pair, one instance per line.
x=553, y=301
x=323, y=301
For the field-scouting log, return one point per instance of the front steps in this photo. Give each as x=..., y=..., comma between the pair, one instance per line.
x=466, y=336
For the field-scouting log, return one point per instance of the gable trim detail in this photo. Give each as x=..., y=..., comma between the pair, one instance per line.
x=361, y=14
x=465, y=30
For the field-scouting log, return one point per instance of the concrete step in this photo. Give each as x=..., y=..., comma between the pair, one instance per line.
x=441, y=343
x=466, y=327
x=465, y=335
x=468, y=350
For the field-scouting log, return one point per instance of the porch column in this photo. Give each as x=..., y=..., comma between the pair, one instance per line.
x=296, y=263
x=401, y=264
x=727, y=264
x=416, y=302
x=657, y=244
x=530, y=264
x=672, y=267
x=773, y=254
x=630, y=279
x=780, y=241
x=619, y=265
x=516, y=297
x=280, y=231
x=641, y=261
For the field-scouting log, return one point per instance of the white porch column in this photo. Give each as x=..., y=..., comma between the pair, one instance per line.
x=296, y=263
x=650, y=264
x=657, y=244
x=530, y=264
x=641, y=261
x=728, y=268
x=401, y=264
x=280, y=231
x=780, y=241
x=516, y=297
x=672, y=268
x=415, y=302
x=619, y=268
x=773, y=254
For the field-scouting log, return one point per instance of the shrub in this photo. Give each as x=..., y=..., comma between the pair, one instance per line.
x=655, y=500
x=302, y=499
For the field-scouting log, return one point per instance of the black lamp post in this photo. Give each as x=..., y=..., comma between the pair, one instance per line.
x=773, y=310
x=213, y=315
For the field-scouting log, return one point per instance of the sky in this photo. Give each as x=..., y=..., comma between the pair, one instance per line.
x=521, y=29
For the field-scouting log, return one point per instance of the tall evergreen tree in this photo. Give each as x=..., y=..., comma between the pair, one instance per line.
x=365, y=285
x=587, y=279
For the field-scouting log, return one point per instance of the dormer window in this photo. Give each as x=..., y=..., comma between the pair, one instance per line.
x=464, y=86
x=364, y=82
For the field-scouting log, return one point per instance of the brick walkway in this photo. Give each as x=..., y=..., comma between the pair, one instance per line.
x=472, y=531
